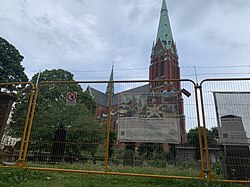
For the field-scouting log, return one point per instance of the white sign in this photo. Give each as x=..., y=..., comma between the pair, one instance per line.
x=71, y=98
x=148, y=117
x=154, y=130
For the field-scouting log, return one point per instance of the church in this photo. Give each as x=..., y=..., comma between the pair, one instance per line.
x=163, y=65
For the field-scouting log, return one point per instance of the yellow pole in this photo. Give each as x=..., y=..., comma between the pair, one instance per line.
x=30, y=126
x=199, y=132
x=108, y=128
x=113, y=173
x=205, y=135
x=25, y=127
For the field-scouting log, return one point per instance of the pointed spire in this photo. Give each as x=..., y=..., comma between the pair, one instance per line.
x=164, y=29
x=111, y=78
x=164, y=6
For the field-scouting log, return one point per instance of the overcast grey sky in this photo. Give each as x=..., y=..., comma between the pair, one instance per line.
x=83, y=36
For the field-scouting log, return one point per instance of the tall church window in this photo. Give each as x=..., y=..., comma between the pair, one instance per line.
x=156, y=70
x=162, y=68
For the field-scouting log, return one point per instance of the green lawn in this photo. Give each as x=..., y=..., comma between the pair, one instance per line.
x=25, y=177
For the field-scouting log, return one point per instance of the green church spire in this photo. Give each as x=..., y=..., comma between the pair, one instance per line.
x=164, y=28
x=111, y=78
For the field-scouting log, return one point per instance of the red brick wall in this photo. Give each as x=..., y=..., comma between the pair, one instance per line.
x=171, y=71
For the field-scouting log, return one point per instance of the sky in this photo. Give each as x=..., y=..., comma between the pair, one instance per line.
x=86, y=37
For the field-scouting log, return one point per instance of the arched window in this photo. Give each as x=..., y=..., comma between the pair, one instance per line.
x=162, y=68
x=156, y=70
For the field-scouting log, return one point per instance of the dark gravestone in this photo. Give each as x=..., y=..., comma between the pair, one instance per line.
x=236, y=148
x=6, y=101
x=59, y=140
x=129, y=158
x=237, y=162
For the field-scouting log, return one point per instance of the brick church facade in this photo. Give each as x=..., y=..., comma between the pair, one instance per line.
x=164, y=64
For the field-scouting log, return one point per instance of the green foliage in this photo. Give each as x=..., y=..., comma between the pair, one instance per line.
x=14, y=176
x=171, y=154
x=130, y=146
x=188, y=164
x=217, y=168
x=193, y=139
x=51, y=110
x=11, y=69
x=29, y=178
x=149, y=151
x=112, y=139
x=215, y=133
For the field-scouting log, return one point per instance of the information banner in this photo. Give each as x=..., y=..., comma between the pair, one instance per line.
x=148, y=117
x=154, y=130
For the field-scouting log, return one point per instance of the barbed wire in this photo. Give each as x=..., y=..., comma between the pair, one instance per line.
x=146, y=68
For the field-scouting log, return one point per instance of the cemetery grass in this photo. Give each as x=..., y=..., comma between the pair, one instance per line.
x=30, y=178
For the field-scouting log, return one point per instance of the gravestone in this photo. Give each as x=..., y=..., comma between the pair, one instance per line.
x=236, y=148
x=59, y=141
x=129, y=158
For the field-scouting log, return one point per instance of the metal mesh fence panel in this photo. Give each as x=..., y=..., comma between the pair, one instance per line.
x=141, y=128
x=66, y=129
x=135, y=127
x=150, y=132
x=15, y=105
x=226, y=112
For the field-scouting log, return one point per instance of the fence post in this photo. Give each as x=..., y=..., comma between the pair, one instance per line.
x=108, y=127
x=25, y=127
x=199, y=132
x=208, y=170
x=30, y=126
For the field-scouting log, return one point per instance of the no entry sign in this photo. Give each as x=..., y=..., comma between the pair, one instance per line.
x=71, y=98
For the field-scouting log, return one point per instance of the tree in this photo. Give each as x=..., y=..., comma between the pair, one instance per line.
x=84, y=133
x=193, y=139
x=112, y=139
x=11, y=69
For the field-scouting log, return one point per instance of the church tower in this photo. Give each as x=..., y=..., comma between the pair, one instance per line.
x=164, y=58
x=164, y=64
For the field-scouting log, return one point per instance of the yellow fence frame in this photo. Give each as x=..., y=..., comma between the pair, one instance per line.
x=208, y=171
x=201, y=176
x=205, y=174
x=28, y=120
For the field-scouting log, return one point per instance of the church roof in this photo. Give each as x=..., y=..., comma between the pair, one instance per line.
x=101, y=98
x=164, y=33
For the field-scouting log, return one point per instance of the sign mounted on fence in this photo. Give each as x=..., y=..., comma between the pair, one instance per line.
x=148, y=117
x=71, y=98
x=233, y=117
x=152, y=130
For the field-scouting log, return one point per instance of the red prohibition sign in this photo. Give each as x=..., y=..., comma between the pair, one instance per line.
x=71, y=96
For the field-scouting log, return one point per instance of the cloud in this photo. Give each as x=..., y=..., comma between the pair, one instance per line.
x=81, y=35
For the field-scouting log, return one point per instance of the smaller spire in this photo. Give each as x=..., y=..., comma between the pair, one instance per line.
x=111, y=78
